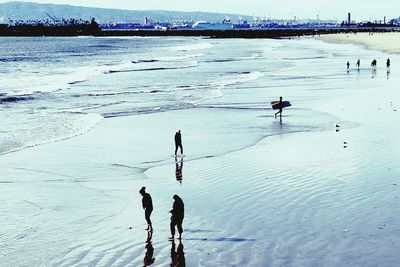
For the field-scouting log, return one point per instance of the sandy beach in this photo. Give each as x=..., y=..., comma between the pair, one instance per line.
x=320, y=188
x=387, y=42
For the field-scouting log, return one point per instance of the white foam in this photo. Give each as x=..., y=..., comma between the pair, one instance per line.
x=191, y=47
x=42, y=126
x=175, y=58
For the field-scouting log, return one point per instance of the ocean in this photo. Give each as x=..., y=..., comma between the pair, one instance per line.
x=56, y=88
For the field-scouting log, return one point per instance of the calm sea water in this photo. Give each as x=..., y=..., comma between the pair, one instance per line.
x=57, y=88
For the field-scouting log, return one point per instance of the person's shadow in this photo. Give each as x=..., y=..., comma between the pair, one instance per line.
x=178, y=170
x=178, y=256
x=148, y=257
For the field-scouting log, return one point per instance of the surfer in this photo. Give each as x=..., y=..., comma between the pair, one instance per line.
x=358, y=64
x=147, y=205
x=178, y=142
x=178, y=212
x=348, y=65
x=280, y=108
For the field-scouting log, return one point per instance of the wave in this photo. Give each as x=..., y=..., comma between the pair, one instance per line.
x=40, y=127
x=18, y=59
x=31, y=84
x=305, y=58
x=216, y=88
x=152, y=69
x=167, y=58
x=146, y=110
x=11, y=99
x=191, y=47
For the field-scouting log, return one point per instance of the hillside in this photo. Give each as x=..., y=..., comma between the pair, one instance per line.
x=33, y=11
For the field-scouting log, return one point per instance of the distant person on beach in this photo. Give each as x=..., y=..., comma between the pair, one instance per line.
x=178, y=170
x=358, y=64
x=388, y=64
x=178, y=142
x=373, y=64
x=348, y=65
x=147, y=205
x=178, y=213
x=280, y=108
x=178, y=256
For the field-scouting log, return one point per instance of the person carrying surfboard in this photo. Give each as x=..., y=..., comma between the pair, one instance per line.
x=178, y=142
x=280, y=108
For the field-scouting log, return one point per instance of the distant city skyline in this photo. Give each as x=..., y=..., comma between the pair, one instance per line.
x=311, y=9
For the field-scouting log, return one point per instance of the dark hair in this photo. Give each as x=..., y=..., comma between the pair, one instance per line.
x=142, y=190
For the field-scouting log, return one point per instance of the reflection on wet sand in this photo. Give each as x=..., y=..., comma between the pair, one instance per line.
x=148, y=257
x=178, y=170
x=178, y=256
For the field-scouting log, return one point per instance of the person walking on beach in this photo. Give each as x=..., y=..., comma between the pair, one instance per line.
x=178, y=213
x=373, y=64
x=147, y=205
x=178, y=142
x=388, y=65
x=358, y=64
x=348, y=65
x=280, y=108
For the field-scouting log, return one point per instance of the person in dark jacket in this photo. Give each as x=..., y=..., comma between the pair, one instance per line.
x=147, y=204
x=178, y=142
x=178, y=213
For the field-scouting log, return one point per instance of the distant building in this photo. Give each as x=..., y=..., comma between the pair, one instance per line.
x=395, y=22
x=205, y=25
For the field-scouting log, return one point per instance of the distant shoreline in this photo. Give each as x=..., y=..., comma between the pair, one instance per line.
x=388, y=42
x=91, y=30
x=265, y=33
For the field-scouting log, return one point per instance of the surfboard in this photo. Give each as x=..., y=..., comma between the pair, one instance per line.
x=276, y=105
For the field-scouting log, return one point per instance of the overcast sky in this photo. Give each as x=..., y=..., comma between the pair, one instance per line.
x=336, y=9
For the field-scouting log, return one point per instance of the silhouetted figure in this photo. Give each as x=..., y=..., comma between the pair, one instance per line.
x=358, y=64
x=147, y=204
x=178, y=256
x=348, y=65
x=280, y=108
x=178, y=142
x=148, y=257
x=178, y=170
x=388, y=65
x=178, y=213
x=373, y=64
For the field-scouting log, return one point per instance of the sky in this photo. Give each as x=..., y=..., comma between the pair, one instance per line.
x=324, y=9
